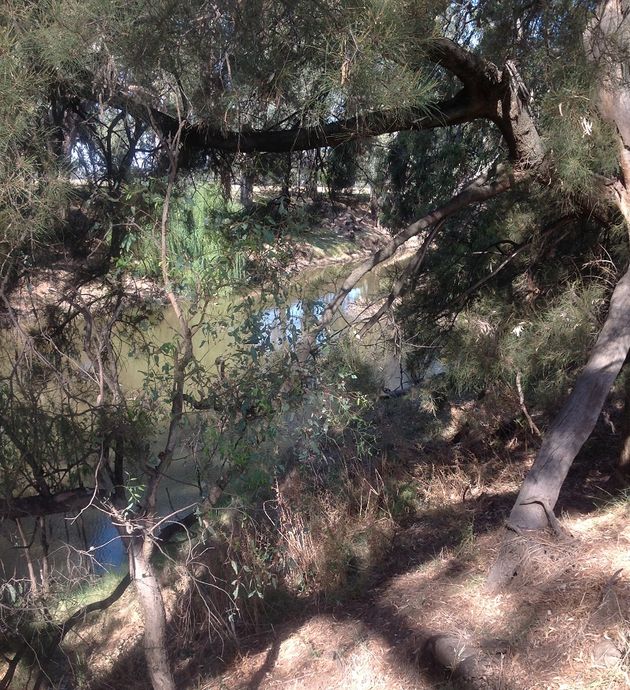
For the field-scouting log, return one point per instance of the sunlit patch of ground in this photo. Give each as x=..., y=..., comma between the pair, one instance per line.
x=567, y=629
x=323, y=653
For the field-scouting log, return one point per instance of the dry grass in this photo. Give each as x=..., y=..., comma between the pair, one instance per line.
x=323, y=654
x=562, y=625
x=328, y=541
x=569, y=631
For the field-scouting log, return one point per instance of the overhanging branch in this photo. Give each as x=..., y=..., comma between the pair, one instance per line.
x=200, y=137
x=472, y=70
x=480, y=98
x=483, y=187
x=39, y=506
x=487, y=185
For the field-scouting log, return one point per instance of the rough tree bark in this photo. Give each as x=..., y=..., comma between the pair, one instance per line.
x=149, y=596
x=225, y=177
x=607, y=45
x=623, y=462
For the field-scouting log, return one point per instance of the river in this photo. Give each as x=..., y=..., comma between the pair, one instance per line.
x=93, y=533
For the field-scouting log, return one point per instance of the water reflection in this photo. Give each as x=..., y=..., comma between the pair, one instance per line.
x=108, y=549
x=232, y=322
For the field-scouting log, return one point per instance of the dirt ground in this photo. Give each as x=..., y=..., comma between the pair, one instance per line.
x=566, y=631
x=561, y=625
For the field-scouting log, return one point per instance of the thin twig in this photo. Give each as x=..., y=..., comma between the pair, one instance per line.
x=521, y=398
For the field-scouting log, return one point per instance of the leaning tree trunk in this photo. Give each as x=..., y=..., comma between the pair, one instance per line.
x=607, y=43
x=534, y=505
x=623, y=461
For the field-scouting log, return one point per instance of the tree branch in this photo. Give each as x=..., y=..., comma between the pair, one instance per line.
x=487, y=185
x=409, y=272
x=481, y=188
x=199, y=137
x=481, y=97
x=40, y=506
x=472, y=70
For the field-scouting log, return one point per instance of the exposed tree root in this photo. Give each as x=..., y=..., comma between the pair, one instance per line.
x=530, y=557
x=467, y=664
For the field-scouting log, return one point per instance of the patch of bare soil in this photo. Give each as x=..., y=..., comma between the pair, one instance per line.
x=568, y=630
x=325, y=652
x=58, y=285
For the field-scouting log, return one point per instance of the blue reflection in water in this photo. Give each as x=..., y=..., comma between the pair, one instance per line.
x=352, y=297
x=279, y=325
x=107, y=547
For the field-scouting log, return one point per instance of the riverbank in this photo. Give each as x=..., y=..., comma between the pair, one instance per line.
x=383, y=575
x=344, y=233
x=339, y=234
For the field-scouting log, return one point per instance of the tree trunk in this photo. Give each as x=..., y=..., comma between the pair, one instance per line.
x=45, y=560
x=623, y=462
x=247, y=189
x=606, y=41
x=312, y=192
x=285, y=190
x=142, y=542
x=29, y=559
x=573, y=425
x=576, y=420
x=153, y=613
x=374, y=205
x=225, y=175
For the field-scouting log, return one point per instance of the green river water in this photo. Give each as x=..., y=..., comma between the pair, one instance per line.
x=179, y=490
